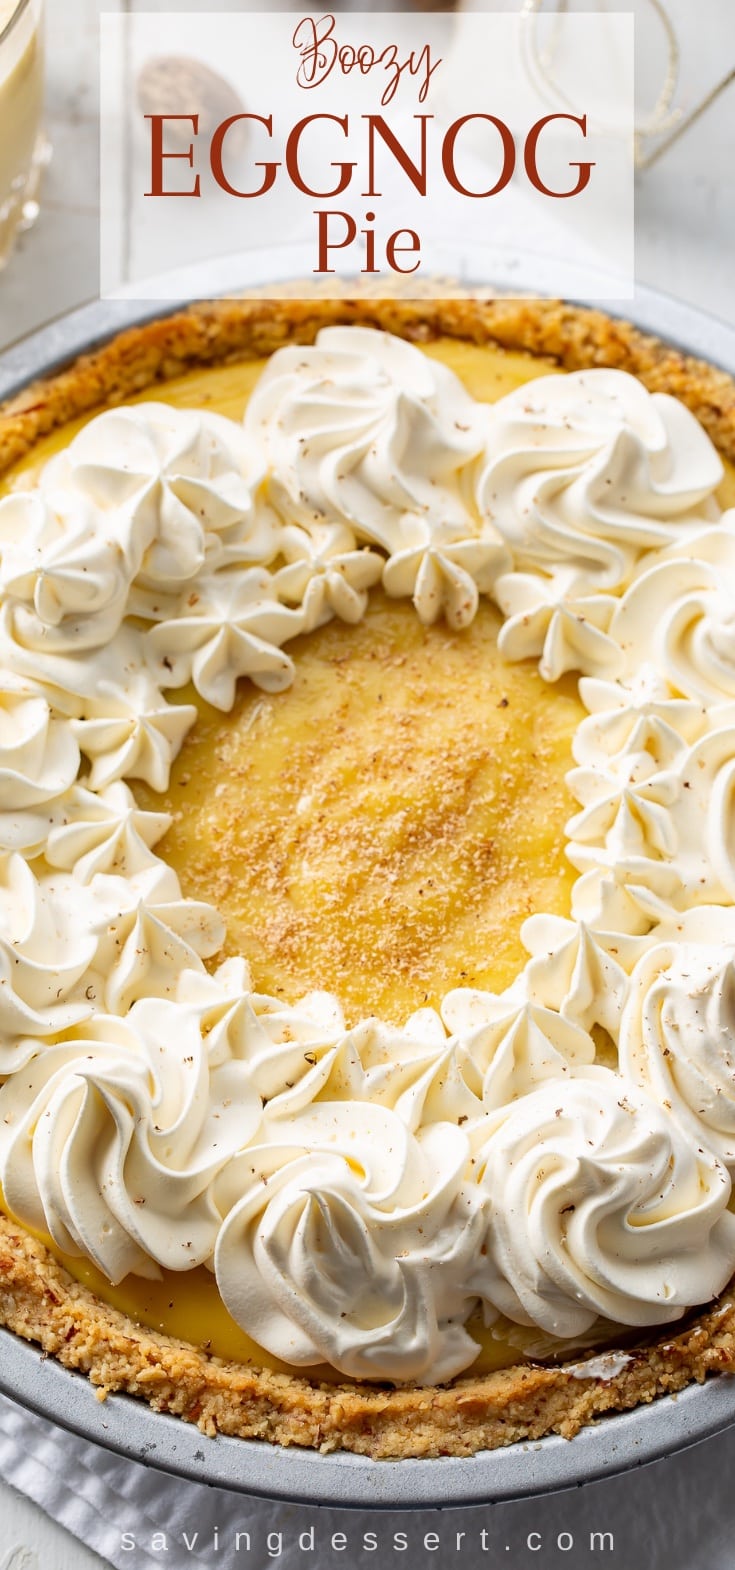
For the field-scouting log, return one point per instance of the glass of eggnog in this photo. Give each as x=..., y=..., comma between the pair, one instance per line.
x=23, y=148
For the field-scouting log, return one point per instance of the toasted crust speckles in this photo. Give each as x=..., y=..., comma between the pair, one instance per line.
x=39, y=1300
x=217, y=332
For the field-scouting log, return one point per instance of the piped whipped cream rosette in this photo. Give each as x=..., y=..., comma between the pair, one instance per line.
x=678, y=1031
x=326, y=572
x=509, y=1044
x=179, y=484
x=579, y=972
x=230, y=624
x=598, y=1205
x=110, y=1141
x=128, y=731
x=348, y=1241
x=67, y=564
x=679, y=615
x=588, y=471
x=68, y=947
x=47, y=950
x=147, y=933
x=658, y=814
x=291, y=1051
x=626, y=821
x=363, y=430
x=166, y=1115
x=547, y=619
x=640, y=714
x=39, y=762
x=104, y=831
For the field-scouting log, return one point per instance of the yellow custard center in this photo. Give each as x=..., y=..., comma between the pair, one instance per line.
x=379, y=830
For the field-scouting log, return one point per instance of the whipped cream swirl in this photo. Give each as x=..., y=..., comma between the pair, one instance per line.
x=39, y=762
x=47, y=951
x=362, y=430
x=587, y=471
x=110, y=1141
x=546, y=618
x=679, y=616
x=510, y=1043
x=180, y=484
x=598, y=1204
x=348, y=1241
x=678, y=1037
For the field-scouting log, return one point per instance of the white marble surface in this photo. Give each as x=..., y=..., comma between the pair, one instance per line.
x=35, y=1542
x=685, y=244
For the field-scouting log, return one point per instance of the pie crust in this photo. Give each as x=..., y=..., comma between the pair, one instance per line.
x=40, y=1301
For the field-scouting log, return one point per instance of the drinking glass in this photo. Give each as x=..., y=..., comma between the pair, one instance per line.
x=23, y=147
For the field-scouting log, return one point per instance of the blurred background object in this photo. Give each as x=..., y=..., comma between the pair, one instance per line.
x=176, y=85
x=660, y=118
x=24, y=150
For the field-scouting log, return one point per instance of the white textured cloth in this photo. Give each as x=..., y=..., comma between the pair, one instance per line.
x=676, y=1515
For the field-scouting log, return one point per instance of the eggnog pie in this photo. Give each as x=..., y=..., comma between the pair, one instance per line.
x=367, y=880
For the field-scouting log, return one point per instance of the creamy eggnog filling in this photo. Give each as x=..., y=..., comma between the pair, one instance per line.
x=382, y=828
x=420, y=1112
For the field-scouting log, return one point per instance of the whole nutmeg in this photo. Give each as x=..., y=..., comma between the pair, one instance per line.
x=178, y=85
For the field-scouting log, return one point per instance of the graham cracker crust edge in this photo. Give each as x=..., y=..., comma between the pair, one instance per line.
x=220, y=332
x=41, y=1302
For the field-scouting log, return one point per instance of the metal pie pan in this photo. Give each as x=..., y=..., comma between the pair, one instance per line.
x=129, y=1427
x=254, y=1467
